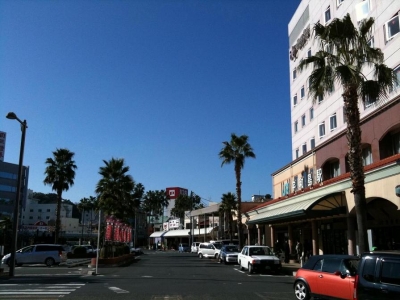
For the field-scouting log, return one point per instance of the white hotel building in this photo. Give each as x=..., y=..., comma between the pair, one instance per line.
x=312, y=199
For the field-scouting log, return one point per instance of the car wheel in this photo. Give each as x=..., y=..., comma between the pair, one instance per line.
x=250, y=268
x=49, y=262
x=301, y=291
x=200, y=255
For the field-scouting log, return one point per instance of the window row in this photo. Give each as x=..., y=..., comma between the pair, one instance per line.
x=39, y=210
x=332, y=125
x=304, y=148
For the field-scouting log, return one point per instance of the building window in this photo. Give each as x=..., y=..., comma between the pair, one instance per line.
x=302, y=92
x=371, y=43
x=328, y=14
x=367, y=155
x=295, y=100
x=397, y=72
x=311, y=113
x=334, y=169
x=362, y=10
x=331, y=89
x=297, y=153
x=48, y=210
x=304, y=148
x=47, y=218
x=333, y=122
x=30, y=217
x=296, y=126
x=309, y=52
x=312, y=143
x=392, y=27
x=39, y=217
x=294, y=74
x=321, y=127
x=396, y=143
x=320, y=99
x=368, y=101
x=39, y=210
x=339, y=2
x=303, y=120
x=31, y=210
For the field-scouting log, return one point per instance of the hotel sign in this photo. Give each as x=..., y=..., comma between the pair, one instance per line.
x=299, y=182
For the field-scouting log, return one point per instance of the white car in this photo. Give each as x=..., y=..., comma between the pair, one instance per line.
x=195, y=247
x=209, y=250
x=258, y=259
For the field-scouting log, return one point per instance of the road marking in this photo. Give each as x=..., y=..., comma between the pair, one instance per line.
x=118, y=290
x=37, y=291
x=167, y=297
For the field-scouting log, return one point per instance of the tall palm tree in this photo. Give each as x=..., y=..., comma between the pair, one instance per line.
x=344, y=53
x=60, y=174
x=236, y=151
x=115, y=188
x=227, y=209
x=154, y=202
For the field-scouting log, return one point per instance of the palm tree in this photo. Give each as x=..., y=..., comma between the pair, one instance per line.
x=227, y=209
x=236, y=151
x=154, y=202
x=115, y=188
x=60, y=174
x=344, y=53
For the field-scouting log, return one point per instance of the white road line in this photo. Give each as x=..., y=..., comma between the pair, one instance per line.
x=118, y=290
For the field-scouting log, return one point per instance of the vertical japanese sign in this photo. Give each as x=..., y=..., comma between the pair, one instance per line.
x=2, y=145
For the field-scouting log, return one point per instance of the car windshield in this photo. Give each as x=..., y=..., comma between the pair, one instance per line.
x=259, y=251
x=231, y=249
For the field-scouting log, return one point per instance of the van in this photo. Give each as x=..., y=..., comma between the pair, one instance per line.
x=209, y=250
x=48, y=254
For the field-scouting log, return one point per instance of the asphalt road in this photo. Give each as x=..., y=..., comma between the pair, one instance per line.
x=155, y=276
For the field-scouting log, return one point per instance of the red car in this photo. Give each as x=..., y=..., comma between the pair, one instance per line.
x=326, y=276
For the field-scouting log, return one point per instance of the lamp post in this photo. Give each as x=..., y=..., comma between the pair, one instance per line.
x=24, y=125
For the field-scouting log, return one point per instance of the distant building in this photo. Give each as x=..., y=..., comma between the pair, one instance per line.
x=173, y=193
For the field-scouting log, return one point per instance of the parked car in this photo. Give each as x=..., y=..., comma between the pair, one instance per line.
x=228, y=254
x=48, y=254
x=258, y=259
x=327, y=276
x=195, y=247
x=89, y=248
x=209, y=250
x=378, y=276
x=137, y=251
x=183, y=247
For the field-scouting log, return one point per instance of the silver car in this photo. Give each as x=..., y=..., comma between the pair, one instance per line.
x=209, y=250
x=48, y=254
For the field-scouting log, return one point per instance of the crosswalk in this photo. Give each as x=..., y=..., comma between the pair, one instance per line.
x=37, y=291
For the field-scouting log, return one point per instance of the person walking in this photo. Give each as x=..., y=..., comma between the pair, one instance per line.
x=299, y=251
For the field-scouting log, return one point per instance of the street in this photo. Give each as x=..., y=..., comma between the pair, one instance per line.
x=155, y=275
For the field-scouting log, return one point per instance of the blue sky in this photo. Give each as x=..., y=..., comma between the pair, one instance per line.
x=159, y=83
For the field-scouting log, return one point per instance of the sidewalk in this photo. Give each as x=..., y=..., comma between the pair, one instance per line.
x=290, y=268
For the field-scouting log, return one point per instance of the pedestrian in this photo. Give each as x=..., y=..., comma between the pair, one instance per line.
x=299, y=251
x=287, y=252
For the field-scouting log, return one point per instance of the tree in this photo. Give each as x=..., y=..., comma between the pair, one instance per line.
x=236, y=151
x=344, y=53
x=115, y=188
x=60, y=174
x=185, y=203
x=227, y=209
x=154, y=202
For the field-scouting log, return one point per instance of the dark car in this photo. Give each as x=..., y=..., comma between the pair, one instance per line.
x=228, y=254
x=327, y=276
x=378, y=276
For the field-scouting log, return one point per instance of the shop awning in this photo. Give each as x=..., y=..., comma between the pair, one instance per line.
x=282, y=211
x=158, y=234
x=177, y=233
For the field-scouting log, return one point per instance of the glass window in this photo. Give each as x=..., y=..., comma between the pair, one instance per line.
x=297, y=153
x=39, y=210
x=321, y=129
x=369, y=101
x=318, y=265
x=296, y=126
x=397, y=71
x=333, y=122
x=311, y=113
x=362, y=10
x=309, y=53
x=392, y=27
x=294, y=74
x=367, y=155
x=312, y=143
x=331, y=265
x=302, y=92
x=339, y=2
x=295, y=100
x=369, y=269
x=7, y=188
x=8, y=175
x=303, y=120
x=328, y=14
x=396, y=143
x=304, y=148
x=320, y=99
x=390, y=272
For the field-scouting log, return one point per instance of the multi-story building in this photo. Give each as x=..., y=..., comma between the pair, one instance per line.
x=313, y=200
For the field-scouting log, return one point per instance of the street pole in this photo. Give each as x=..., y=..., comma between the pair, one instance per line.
x=98, y=242
x=14, y=240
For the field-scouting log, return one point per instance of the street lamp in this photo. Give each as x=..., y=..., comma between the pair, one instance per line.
x=13, y=116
